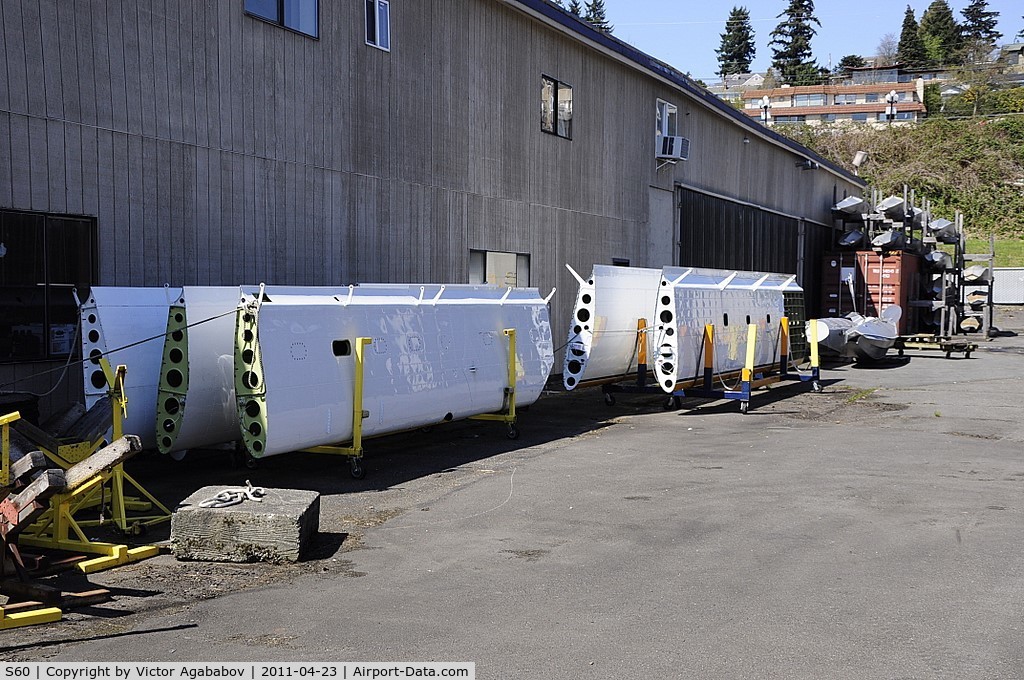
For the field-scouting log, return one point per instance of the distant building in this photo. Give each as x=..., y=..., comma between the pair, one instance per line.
x=732, y=86
x=818, y=104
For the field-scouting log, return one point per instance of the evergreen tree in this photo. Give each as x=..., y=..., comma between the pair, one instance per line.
x=791, y=44
x=596, y=16
x=1020, y=36
x=737, y=48
x=910, y=51
x=940, y=33
x=850, y=61
x=575, y=7
x=979, y=27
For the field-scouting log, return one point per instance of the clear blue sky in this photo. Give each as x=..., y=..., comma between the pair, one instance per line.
x=686, y=34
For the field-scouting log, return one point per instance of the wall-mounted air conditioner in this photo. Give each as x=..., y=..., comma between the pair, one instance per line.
x=673, y=148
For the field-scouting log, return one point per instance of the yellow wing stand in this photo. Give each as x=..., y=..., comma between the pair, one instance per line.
x=507, y=414
x=62, y=527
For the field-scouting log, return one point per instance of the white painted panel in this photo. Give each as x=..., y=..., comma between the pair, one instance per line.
x=438, y=353
x=126, y=325
x=603, y=330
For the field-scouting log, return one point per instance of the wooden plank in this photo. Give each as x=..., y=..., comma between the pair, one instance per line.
x=33, y=46
x=103, y=460
x=6, y=170
x=115, y=68
x=85, y=59
x=64, y=162
x=54, y=165
x=67, y=46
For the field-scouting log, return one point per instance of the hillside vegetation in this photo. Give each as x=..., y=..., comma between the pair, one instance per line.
x=975, y=166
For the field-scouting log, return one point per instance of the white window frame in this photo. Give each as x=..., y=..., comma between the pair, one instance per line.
x=381, y=38
x=666, y=119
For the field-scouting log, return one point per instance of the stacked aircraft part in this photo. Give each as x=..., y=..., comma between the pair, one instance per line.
x=691, y=299
x=436, y=354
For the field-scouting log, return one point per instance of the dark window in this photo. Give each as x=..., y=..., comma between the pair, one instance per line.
x=790, y=119
x=42, y=259
x=378, y=24
x=859, y=117
x=298, y=15
x=555, y=107
x=871, y=97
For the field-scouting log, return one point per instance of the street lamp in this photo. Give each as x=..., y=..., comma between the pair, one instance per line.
x=766, y=105
x=890, y=108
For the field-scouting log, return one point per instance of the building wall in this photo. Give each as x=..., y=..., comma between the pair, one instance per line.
x=215, y=148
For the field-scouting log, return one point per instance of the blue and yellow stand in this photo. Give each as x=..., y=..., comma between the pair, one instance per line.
x=751, y=377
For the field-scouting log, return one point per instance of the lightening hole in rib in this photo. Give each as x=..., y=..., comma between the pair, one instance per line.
x=247, y=318
x=167, y=442
x=341, y=348
x=257, y=447
x=94, y=335
x=97, y=380
x=247, y=356
x=583, y=315
x=179, y=317
x=177, y=336
x=94, y=356
x=577, y=329
x=769, y=317
x=668, y=384
x=252, y=408
x=666, y=316
x=667, y=368
x=670, y=331
x=586, y=299
x=250, y=379
x=255, y=429
x=748, y=319
x=247, y=336
x=571, y=382
x=171, y=406
x=92, y=318
x=575, y=366
x=665, y=300
x=168, y=425
x=175, y=355
x=175, y=378
x=448, y=417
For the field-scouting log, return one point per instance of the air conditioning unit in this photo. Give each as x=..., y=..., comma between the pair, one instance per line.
x=673, y=148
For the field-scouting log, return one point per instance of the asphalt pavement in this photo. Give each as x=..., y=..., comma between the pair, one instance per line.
x=870, y=531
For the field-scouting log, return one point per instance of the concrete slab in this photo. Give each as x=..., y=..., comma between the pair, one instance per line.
x=278, y=528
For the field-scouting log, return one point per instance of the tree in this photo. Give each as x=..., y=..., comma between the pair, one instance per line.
x=979, y=25
x=596, y=16
x=885, y=53
x=575, y=8
x=1020, y=36
x=910, y=51
x=737, y=48
x=940, y=33
x=849, y=62
x=791, y=44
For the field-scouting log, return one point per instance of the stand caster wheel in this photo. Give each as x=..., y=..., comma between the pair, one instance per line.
x=513, y=431
x=609, y=399
x=816, y=387
x=356, y=469
x=744, y=407
x=672, y=403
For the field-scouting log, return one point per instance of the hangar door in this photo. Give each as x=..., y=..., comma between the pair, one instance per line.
x=716, y=232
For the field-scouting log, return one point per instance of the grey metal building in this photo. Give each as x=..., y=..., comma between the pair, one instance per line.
x=188, y=142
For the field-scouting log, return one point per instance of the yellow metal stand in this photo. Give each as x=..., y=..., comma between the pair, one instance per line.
x=29, y=618
x=355, y=451
x=58, y=529
x=507, y=414
x=5, y=446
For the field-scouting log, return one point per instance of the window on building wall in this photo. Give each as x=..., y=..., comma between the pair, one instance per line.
x=752, y=103
x=555, y=107
x=900, y=115
x=790, y=119
x=667, y=119
x=808, y=100
x=871, y=97
x=498, y=268
x=828, y=118
x=845, y=99
x=43, y=258
x=859, y=118
x=378, y=24
x=298, y=15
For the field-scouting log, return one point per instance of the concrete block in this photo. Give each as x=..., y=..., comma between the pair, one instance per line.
x=277, y=529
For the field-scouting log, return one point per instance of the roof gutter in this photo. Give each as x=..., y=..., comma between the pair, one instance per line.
x=626, y=54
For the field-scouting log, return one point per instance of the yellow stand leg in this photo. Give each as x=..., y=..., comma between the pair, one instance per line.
x=29, y=618
x=508, y=415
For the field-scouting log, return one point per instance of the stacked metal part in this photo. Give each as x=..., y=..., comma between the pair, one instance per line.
x=181, y=348
x=438, y=353
x=672, y=306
